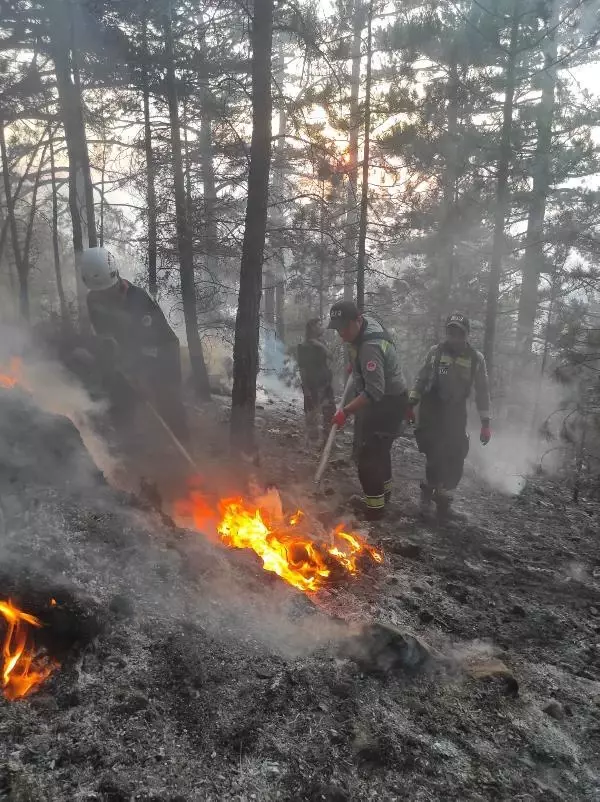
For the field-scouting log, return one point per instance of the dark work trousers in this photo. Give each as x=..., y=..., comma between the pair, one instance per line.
x=318, y=401
x=163, y=380
x=442, y=437
x=379, y=426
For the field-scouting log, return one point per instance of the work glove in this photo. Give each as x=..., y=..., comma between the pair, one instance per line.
x=486, y=434
x=339, y=419
x=409, y=415
x=349, y=370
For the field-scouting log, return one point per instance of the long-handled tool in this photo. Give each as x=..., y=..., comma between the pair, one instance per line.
x=180, y=447
x=331, y=439
x=155, y=413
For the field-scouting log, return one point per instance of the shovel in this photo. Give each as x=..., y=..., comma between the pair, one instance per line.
x=331, y=438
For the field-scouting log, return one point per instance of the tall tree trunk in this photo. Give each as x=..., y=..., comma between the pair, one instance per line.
x=64, y=311
x=14, y=234
x=533, y=261
x=352, y=205
x=447, y=258
x=364, y=198
x=185, y=243
x=245, y=352
x=150, y=166
x=31, y=221
x=71, y=112
x=81, y=138
x=280, y=169
x=209, y=190
x=502, y=194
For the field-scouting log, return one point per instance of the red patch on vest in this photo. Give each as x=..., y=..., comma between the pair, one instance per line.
x=371, y=366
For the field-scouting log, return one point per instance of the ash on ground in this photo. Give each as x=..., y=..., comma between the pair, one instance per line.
x=465, y=668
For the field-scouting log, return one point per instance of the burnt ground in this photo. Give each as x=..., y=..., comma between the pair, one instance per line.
x=187, y=673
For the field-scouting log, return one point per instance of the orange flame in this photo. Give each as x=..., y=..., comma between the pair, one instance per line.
x=13, y=374
x=299, y=559
x=22, y=669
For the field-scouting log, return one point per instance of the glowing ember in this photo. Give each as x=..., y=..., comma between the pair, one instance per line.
x=22, y=669
x=11, y=375
x=284, y=549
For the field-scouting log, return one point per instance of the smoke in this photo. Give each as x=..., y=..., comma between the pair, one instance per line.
x=56, y=392
x=275, y=363
x=521, y=437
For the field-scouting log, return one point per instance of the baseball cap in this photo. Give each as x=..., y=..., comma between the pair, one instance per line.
x=460, y=321
x=342, y=313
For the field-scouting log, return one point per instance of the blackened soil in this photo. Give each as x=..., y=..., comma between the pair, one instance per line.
x=189, y=675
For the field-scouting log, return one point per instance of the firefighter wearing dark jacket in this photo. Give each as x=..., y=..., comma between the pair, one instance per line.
x=138, y=346
x=314, y=362
x=442, y=388
x=381, y=400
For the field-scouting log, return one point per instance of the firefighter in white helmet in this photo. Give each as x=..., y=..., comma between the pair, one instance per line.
x=137, y=338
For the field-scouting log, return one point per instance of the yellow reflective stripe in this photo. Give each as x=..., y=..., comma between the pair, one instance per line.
x=464, y=361
x=446, y=360
x=388, y=484
x=375, y=502
x=415, y=395
x=384, y=345
x=352, y=351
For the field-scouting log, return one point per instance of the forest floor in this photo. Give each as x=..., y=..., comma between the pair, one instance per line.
x=188, y=673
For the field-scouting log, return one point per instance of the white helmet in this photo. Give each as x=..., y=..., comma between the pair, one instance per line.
x=99, y=269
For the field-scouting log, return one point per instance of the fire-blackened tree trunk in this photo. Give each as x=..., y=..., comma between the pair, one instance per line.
x=534, y=252
x=352, y=204
x=502, y=193
x=150, y=167
x=14, y=234
x=185, y=243
x=245, y=352
x=62, y=36
x=364, y=196
x=64, y=312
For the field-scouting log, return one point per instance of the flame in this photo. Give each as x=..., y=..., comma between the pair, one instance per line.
x=21, y=668
x=298, y=558
x=12, y=375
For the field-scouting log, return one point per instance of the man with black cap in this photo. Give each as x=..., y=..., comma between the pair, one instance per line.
x=442, y=388
x=381, y=400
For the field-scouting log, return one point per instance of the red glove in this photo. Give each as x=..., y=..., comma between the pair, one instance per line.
x=349, y=370
x=339, y=419
x=486, y=434
x=409, y=415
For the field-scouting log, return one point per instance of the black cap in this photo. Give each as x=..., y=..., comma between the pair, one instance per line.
x=460, y=321
x=342, y=313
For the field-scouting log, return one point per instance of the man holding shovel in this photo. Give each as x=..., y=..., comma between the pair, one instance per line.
x=139, y=350
x=381, y=401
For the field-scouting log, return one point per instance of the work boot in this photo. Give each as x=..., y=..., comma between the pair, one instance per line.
x=361, y=509
x=427, y=492
x=443, y=500
x=388, y=491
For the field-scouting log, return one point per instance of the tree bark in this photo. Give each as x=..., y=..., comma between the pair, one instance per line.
x=209, y=190
x=502, y=195
x=245, y=352
x=150, y=166
x=447, y=257
x=352, y=205
x=71, y=112
x=14, y=234
x=64, y=311
x=533, y=261
x=185, y=243
x=364, y=198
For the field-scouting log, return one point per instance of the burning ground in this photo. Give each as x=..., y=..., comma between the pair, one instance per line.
x=184, y=671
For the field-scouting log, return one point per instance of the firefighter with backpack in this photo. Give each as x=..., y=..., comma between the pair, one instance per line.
x=381, y=401
x=451, y=370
